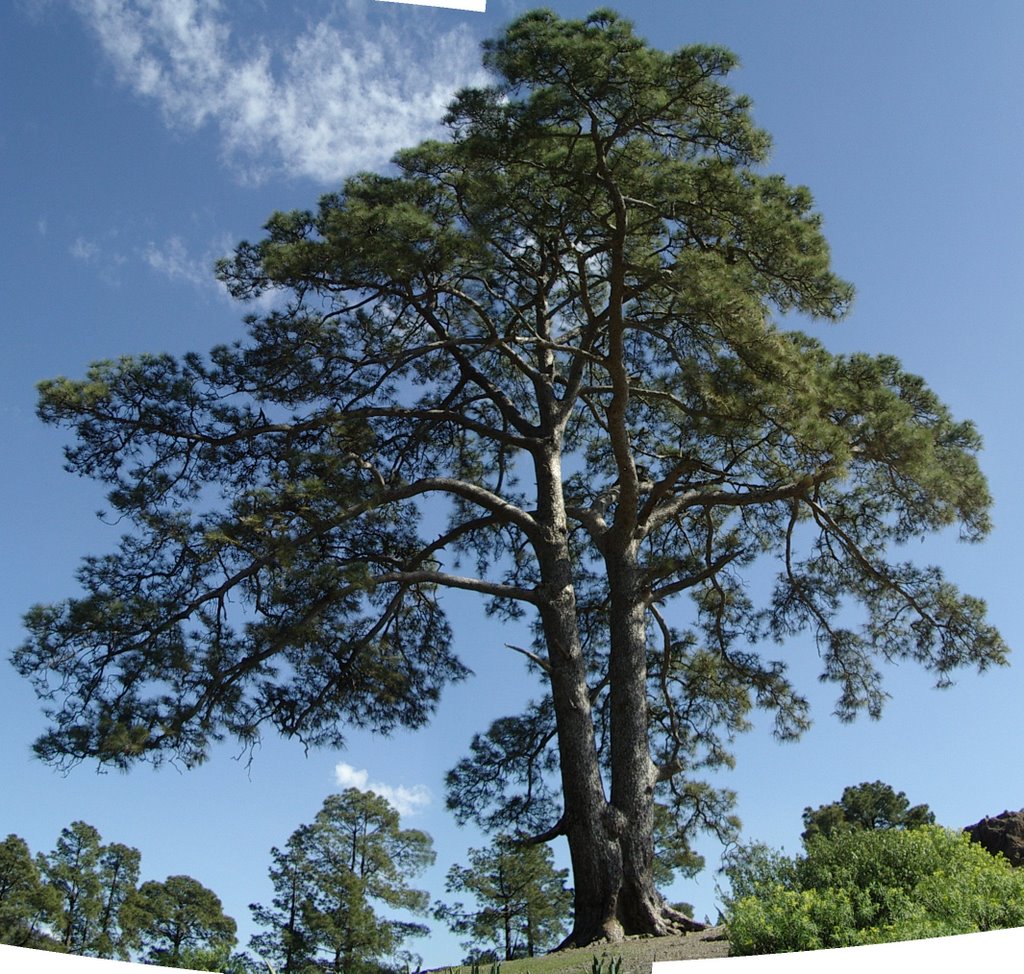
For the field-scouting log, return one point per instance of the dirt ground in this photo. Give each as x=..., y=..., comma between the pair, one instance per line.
x=638, y=954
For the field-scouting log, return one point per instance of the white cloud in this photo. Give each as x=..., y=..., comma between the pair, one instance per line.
x=172, y=260
x=101, y=254
x=406, y=800
x=327, y=102
x=84, y=250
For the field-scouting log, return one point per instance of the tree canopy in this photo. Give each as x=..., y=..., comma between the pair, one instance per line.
x=181, y=923
x=869, y=805
x=558, y=334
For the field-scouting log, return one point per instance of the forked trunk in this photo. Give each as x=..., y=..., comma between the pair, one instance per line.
x=619, y=898
x=611, y=843
x=616, y=897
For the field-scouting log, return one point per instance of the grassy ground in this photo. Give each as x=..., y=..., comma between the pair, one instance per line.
x=636, y=953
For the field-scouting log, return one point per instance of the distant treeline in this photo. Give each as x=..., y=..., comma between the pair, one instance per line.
x=331, y=880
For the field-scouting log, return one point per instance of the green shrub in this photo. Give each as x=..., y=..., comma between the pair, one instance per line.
x=779, y=920
x=753, y=867
x=859, y=887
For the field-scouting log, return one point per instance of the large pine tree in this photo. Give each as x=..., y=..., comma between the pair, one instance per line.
x=558, y=328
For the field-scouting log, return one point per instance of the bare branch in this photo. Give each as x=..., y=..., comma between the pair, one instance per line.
x=540, y=661
x=736, y=498
x=444, y=579
x=474, y=493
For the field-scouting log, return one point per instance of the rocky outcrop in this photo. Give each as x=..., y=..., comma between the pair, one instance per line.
x=1001, y=833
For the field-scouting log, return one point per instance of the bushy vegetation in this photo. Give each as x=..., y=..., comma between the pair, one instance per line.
x=869, y=886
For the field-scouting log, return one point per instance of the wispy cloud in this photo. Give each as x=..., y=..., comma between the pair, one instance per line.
x=328, y=101
x=84, y=250
x=173, y=260
x=406, y=800
x=100, y=254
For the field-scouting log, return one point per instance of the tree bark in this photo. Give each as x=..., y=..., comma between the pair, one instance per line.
x=591, y=847
x=632, y=772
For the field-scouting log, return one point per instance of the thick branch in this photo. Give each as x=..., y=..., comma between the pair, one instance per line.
x=556, y=830
x=444, y=579
x=481, y=496
x=618, y=426
x=726, y=498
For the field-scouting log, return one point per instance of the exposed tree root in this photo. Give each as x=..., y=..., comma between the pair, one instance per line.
x=669, y=923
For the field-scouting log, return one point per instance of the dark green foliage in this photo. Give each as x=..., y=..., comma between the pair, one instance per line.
x=119, y=873
x=181, y=923
x=285, y=942
x=92, y=882
x=522, y=903
x=27, y=906
x=83, y=898
x=872, y=805
x=327, y=882
x=860, y=886
x=72, y=870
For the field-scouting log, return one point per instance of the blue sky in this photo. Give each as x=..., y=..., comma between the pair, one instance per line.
x=141, y=139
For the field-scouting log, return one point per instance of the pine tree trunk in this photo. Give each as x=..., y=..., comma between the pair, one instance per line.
x=612, y=842
x=592, y=848
x=289, y=931
x=633, y=772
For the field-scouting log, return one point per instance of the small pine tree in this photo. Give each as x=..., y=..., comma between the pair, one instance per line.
x=26, y=904
x=327, y=880
x=181, y=923
x=522, y=900
x=91, y=882
x=73, y=871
